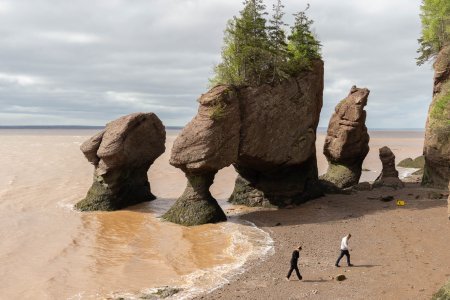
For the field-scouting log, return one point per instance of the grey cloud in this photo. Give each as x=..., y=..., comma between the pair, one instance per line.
x=92, y=61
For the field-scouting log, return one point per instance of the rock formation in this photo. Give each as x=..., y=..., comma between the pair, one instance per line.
x=347, y=141
x=437, y=134
x=122, y=154
x=267, y=132
x=389, y=175
x=207, y=144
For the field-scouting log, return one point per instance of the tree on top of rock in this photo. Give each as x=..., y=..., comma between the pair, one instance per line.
x=435, y=18
x=246, y=51
x=254, y=53
x=277, y=43
x=303, y=47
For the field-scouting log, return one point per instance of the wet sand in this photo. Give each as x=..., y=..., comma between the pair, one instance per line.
x=397, y=252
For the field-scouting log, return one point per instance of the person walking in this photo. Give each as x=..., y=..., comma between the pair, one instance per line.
x=344, y=251
x=294, y=261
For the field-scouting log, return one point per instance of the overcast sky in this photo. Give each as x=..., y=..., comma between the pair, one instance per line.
x=88, y=62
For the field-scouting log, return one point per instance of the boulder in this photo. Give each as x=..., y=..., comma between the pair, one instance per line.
x=443, y=293
x=437, y=138
x=122, y=155
x=267, y=132
x=417, y=163
x=277, y=155
x=347, y=141
x=389, y=175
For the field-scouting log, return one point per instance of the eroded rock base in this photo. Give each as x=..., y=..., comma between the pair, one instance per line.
x=117, y=190
x=196, y=206
x=341, y=176
x=289, y=186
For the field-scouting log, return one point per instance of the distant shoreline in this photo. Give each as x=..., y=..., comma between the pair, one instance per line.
x=319, y=129
x=66, y=127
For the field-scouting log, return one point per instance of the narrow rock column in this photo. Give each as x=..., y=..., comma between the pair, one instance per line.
x=196, y=205
x=207, y=144
x=347, y=141
x=389, y=174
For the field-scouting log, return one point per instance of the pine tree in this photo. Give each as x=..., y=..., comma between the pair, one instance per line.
x=246, y=52
x=255, y=53
x=435, y=19
x=303, y=46
x=278, y=45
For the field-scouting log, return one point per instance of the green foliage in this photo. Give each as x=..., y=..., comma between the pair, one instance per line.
x=441, y=107
x=277, y=43
x=255, y=53
x=435, y=18
x=303, y=46
x=218, y=111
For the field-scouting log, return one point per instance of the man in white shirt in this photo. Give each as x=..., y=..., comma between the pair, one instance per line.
x=344, y=250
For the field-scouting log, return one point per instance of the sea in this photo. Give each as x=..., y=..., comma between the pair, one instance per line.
x=48, y=250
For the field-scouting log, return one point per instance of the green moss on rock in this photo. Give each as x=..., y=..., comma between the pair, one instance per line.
x=196, y=206
x=342, y=176
x=443, y=293
x=417, y=163
x=117, y=190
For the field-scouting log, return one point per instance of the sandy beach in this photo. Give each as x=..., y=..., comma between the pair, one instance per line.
x=397, y=252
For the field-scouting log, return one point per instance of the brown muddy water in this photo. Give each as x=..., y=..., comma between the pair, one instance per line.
x=50, y=251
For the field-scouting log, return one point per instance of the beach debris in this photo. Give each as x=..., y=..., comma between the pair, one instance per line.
x=122, y=154
x=436, y=195
x=437, y=143
x=401, y=202
x=389, y=175
x=340, y=277
x=386, y=198
x=347, y=141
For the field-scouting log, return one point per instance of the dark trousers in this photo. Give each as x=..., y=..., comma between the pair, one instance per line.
x=296, y=271
x=346, y=253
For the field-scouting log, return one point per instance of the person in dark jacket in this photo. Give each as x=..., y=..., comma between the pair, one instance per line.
x=294, y=261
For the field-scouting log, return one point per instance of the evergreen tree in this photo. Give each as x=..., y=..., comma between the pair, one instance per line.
x=255, y=53
x=435, y=18
x=277, y=43
x=303, y=46
x=246, y=51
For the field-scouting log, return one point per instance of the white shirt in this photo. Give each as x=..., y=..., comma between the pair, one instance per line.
x=344, y=243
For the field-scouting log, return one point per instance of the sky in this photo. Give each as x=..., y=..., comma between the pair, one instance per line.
x=89, y=62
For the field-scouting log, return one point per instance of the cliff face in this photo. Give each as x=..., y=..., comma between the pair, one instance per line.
x=437, y=134
x=122, y=155
x=347, y=141
x=268, y=133
x=277, y=154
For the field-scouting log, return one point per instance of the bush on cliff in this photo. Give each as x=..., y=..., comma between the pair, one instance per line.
x=435, y=18
x=255, y=53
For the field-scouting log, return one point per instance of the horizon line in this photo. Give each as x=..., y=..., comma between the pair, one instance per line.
x=174, y=127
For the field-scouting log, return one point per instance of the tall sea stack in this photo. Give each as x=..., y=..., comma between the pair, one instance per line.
x=437, y=134
x=267, y=132
x=347, y=141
